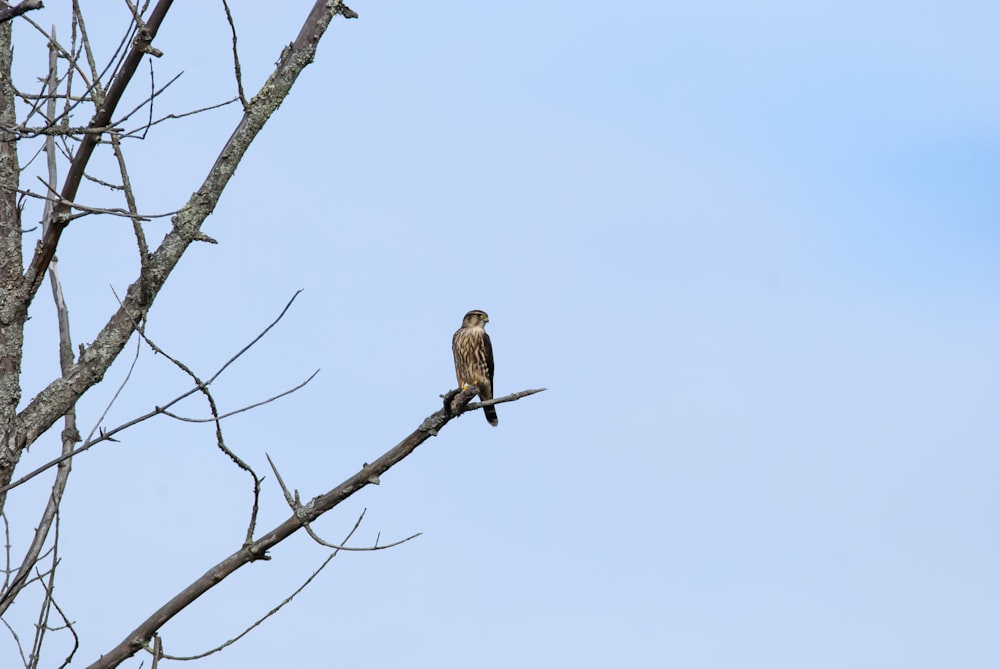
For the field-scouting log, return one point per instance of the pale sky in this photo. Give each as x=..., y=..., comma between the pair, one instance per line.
x=750, y=251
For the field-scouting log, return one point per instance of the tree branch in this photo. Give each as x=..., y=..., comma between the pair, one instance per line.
x=20, y=8
x=309, y=512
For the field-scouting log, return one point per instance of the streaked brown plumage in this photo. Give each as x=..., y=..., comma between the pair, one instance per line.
x=474, y=358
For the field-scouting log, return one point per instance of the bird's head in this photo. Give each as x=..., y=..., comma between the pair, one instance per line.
x=475, y=318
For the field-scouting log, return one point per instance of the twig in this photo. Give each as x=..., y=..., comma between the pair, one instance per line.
x=236, y=57
x=106, y=184
x=242, y=409
x=114, y=211
x=500, y=400
x=456, y=402
x=48, y=602
x=68, y=625
x=257, y=338
x=97, y=90
x=17, y=641
x=149, y=99
x=7, y=547
x=140, y=236
x=141, y=130
x=157, y=650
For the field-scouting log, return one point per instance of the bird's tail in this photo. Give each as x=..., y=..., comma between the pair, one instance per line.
x=491, y=415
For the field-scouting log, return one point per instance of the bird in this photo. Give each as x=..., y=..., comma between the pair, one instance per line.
x=474, y=358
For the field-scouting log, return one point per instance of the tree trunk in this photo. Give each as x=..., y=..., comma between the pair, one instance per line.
x=12, y=311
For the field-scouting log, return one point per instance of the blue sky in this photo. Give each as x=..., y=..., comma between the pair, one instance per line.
x=751, y=251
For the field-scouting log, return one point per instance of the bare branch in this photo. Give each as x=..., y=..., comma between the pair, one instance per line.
x=236, y=56
x=111, y=402
x=106, y=435
x=257, y=338
x=149, y=100
x=157, y=650
x=123, y=213
x=140, y=27
x=7, y=546
x=456, y=402
x=18, y=9
x=23, y=131
x=500, y=400
x=257, y=550
x=140, y=236
x=141, y=130
x=48, y=603
x=97, y=89
x=248, y=407
x=68, y=625
x=17, y=641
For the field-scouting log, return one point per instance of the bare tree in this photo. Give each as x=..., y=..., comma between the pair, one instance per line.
x=75, y=86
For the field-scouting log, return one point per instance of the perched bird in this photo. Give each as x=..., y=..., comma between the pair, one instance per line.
x=474, y=358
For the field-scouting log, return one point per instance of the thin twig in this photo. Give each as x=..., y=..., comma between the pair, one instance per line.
x=141, y=130
x=123, y=213
x=149, y=100
x=257, y=338
x=97, y=91
x=17, y=641
x=236, y=57
x=242, y=409
x=140, y=236
x=42, y=626
x=111, y=402
x=67, y=624
x=7, y=547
